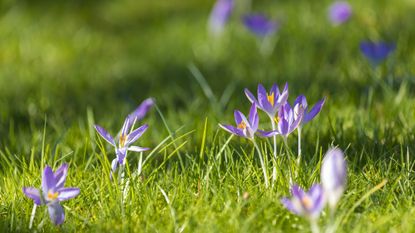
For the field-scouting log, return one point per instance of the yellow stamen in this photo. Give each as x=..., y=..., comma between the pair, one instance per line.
x=271, y=99
x=277, y=119
x=306, y=202
x=242, y=125
x=52, y=196
x=123, y=139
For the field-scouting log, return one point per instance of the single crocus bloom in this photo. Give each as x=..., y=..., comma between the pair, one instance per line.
x=308, y=204
x=334, y=175
x=244, y=127
x=125, y=139
x=340, y=12
x=220, y=15
x=53, y=192
x=309, y=115
x=260, y=25
x=376, y=52
x=269, y=102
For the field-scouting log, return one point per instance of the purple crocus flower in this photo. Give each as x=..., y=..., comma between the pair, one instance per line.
x=269, y=102
x=340, y=12
x=127, y=135
x=260, y=25
x=308, y=204
x=53, y=192
x=334, y=175
x=376, y=52
x=309, y=115
x=125, y=140
x=220, y=15
x=244, y=127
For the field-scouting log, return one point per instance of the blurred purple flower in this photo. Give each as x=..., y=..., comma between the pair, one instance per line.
x=269, y=103
x=308, y=204
x=219, y=16
x=376, y=52
x=340, y=12
x=309, y=115
x=260, y=25
x=334, y=175
x=53, y=192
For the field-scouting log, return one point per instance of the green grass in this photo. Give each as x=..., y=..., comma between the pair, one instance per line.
x=65, y=67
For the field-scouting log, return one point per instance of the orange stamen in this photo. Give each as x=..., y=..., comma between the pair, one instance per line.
x=52, y=196
x=271, y=99
x=242, y=125
x=306, y=202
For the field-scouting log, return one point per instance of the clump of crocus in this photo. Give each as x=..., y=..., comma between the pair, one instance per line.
x=220, y=15
x=307, y=204
x=260, y=25
x=52, y=193
x=339, y=12
x=247, y=128
x=333, y=176
x=127, y=135
x=376, y=52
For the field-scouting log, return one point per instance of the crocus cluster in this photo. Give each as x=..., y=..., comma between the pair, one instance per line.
x=333, y=184
x=284, y=118
x=52, y=192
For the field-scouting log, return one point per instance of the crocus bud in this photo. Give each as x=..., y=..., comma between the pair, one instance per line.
x=333, y=176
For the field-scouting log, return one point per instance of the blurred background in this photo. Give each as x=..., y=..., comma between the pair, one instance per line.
x=61, y=59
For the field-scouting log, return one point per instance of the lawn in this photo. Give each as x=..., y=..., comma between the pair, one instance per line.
x=65, y=67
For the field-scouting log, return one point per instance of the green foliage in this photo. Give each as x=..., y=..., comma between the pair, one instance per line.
x=65, y=67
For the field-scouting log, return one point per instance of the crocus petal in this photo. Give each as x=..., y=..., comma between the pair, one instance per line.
x=48, y=180
x=317, y=196
x=282, y=99
x=301, y=100
x=267, y=134
x=294, y=208
x=136, y=134
x=314, y=111
x=220, y=15
x=126, y=126
x=376, y=52
x=334, y=175
x=340, y=12
x=233, y=130
x=121, y=153
x=251, y=97
x=297, y=192
x=141, y=111
x=34, y=194
x=260, y=25
x=114, y=165
x=275, y=90
x=104, y=134
x=239, y=117
x=263, y=100
x=67, y=193
x=60, y=175
x=253, y=118
x=283, y=127
x=137, y=148
x=56, y=213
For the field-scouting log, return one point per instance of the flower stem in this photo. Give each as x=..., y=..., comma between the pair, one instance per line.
x=32, y=216
x=274, y=169
x=289, y=158
x=264, y=169
x=314, y=226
